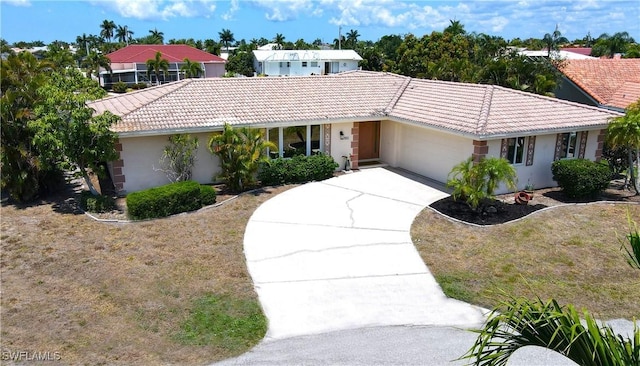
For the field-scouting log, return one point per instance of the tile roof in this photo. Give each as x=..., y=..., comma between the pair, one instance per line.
x=481, y=111
x=171, y=52
x=611, y=82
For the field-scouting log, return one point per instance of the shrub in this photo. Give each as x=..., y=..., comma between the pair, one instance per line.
x=166, y=200
x=581, y=178
x=475, y=182
x=93, y=203
x=298, y=169
x=120, y=87
x=207, y=195
x=137, y=86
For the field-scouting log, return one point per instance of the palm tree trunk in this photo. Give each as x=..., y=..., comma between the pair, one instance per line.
x=631, y=171
x=634, y=175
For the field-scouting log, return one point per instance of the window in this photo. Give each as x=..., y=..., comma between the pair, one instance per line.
x=568, y=145
x=304, y=63
x=515, y=152
x=295, y=140
x=314, y=63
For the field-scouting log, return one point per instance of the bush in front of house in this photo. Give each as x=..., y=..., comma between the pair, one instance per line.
x=207, y=195
x=100, y=203
x=581, y=178
x=298, y=169
x=138, y=86
x=168, y=200
x=119, y=87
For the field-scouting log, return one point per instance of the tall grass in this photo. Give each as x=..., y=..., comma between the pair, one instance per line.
x=520, y=322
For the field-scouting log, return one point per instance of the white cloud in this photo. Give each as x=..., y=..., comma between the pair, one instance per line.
x=18, y=2
x=284, y=10
x=159, y=9
x=233, y=9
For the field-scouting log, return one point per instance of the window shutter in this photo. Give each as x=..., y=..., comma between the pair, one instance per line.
x=583, y=144
x=558, y=147
x=530, y=150
x=504, y=148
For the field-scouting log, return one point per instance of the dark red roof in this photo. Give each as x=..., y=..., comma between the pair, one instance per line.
x=579, y=50
x=171, y=52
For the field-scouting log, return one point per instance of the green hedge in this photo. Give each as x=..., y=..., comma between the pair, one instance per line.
x=298, y=169
x=119, y=87
x=99, y=203
x=581, y=178
x=168, y=200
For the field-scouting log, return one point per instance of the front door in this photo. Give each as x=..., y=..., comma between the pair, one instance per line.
x=369, y=141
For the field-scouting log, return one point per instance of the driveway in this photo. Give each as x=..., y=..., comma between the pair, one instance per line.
x=337, y=255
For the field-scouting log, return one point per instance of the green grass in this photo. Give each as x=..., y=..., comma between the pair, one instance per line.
x=228, y=322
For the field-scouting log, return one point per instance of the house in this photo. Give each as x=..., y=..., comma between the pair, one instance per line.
x=129, y=64
x=424, y=126
x=304, y=62
x=605, y=83
x=562, y=54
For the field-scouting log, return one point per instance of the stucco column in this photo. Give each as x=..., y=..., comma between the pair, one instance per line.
x=480, y=150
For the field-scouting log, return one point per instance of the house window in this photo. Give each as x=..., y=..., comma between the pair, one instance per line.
x=515, y=152
x=304, y=63
x=295, y=140
x=314, y=63
x=568, y=145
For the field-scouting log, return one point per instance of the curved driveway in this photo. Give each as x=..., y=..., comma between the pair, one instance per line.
x=337, y=255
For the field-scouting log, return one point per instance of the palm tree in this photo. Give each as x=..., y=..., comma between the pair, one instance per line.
x=475, y=181
x=83, y=40
x=123, y=34
x=455, y=28
x=157, y=64
x=625, y=132
x=191, y=69
x=94, y=61
x=107, y=27
x=616, y=43
x=226, y=37
x=279, y=40
x=157, y=36
x=352, y=37
x=553, y=40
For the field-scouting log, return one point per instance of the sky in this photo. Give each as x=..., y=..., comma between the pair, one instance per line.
x=30, y=20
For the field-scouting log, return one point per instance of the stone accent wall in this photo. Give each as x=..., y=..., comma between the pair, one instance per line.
x=118, y=166
x=480, y=150
x=355, y=141
x=327, y=139
x=601, y=137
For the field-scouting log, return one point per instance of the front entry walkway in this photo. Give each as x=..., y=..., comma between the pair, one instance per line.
x=337, y=255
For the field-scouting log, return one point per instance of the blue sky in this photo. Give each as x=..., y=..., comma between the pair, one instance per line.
x=28, y=20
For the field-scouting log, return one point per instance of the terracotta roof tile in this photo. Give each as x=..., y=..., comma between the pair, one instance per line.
x=604, y=79
x=140, y=53
x=478, y=110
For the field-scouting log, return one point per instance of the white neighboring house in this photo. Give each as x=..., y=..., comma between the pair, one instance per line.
x=304, y=62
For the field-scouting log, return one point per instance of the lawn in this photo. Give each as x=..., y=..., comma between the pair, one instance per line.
x=570, y=253
x=137, y=293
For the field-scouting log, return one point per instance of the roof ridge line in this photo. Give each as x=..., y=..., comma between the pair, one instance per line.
x=483, y=119
x=397, y=95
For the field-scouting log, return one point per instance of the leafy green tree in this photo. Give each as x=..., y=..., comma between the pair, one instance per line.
x=124, y=34
x=106, y=29
x=240, y=151
x=240, y=62
x=610, y=45
x=59, y=55
x=476, y=181
x=157, y=65
x=83, y=42
x=93, y=62
x=455, y=27
x=625, y=132
x=179, y=157
x=520, y=322
x=226, y=37
x=212, y=47
x=191, y=69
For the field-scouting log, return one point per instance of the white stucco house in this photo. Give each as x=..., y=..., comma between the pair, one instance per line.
x=304, y=62
x=423, y=126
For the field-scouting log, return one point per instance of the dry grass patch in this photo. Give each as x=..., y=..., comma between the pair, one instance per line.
x=119, y=293
x=569, y=253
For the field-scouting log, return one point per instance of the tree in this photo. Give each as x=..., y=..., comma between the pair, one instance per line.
x=157, y=64
x=155, y=36
x=191, y=69
x=455, y=28
x=94, y=61
x=124, y=34
x=607, y=45
x=476, y=181
x=240, y=152
x=352, y=38
x=212, y=47
x=278, y=40
x=83, y=42
x=179, y=157
x=59, y=55
x=625, y=132
x=240, y=62
x=226, y=37
x=106, y=29
x=553, y=40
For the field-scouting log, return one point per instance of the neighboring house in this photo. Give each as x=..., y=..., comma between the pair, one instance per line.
x=584, y=51
x=563, y=54
x=424, y=126
x=304, y=62
x=605, y=83
x=129, y=64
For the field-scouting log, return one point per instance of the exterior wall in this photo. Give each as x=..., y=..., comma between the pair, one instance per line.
x=272, y=68
x=214, y=70
x=140, y=155
x=341, y=146
x=567, y=90
x=427, y=152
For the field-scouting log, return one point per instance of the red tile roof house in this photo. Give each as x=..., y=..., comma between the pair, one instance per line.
x=423, y=126
x=129, y=64
x=606, y=83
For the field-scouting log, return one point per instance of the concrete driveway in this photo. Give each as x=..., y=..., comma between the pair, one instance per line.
x=337, y=255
